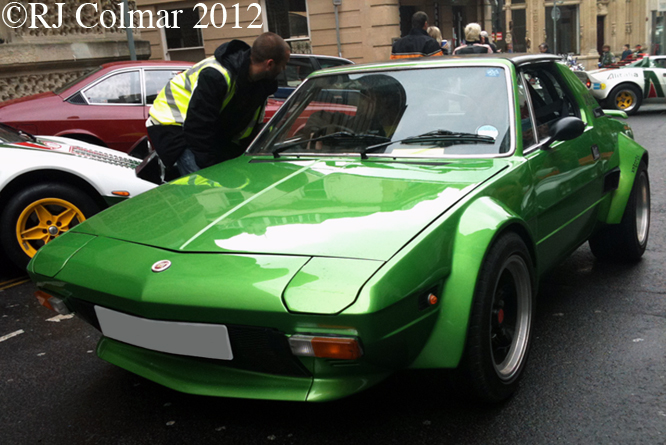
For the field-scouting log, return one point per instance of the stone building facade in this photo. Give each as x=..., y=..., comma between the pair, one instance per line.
x=39, y=59
x=366, y=28
x=34, y=58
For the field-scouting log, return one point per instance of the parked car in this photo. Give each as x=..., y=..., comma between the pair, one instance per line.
x=626, y=88
x=381, y=221
x=108, y=106
x=299, y=67
x=50, y=184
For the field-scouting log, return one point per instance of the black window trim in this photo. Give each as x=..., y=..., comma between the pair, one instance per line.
x=550, y=66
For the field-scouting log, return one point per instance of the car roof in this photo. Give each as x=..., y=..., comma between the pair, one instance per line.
x=514, y=59
x=318, y=56
x=145, y=63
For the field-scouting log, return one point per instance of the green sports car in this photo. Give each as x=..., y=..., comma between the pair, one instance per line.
x=390, y=216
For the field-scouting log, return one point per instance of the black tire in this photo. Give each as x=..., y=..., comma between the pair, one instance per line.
x=626, y=242
x=625, y=97
x=500, y=325
x=20, y=215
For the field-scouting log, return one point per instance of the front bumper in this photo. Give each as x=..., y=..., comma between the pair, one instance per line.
x=263, y=367
x=243, y=293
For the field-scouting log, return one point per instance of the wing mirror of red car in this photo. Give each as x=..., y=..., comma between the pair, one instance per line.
x=564, y=129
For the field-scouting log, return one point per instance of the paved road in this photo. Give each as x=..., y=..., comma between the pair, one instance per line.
x=597, y=372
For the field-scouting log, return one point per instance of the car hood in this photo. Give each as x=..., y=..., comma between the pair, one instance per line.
x=72, y=147
x=332, y=208
x=24, y=108
x=24, y=99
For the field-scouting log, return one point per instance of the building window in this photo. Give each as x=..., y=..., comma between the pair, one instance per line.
x=518, y=22
x=289, y=20
x=567, y=28
x=658, y=33
x=184, y=42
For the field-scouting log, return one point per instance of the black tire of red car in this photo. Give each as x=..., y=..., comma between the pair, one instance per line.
x=625, y=92
x=56, y=198
x=500, y=325
x=626, y=242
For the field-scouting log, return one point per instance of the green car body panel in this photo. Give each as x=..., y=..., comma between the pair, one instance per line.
x=333, y=246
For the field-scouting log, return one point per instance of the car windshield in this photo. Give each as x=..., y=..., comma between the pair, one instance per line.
x=433, y=112
x=9, y=135
x=640, y=63
x=71, y=83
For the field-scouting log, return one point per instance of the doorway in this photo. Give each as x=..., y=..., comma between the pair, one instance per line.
x=459, y=22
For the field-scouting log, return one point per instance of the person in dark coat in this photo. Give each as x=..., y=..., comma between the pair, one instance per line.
x=212, y=111
x=627, y=53
x=417, y=43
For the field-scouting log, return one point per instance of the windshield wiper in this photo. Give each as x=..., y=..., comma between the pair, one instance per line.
x=433, y=136
x=342, y=135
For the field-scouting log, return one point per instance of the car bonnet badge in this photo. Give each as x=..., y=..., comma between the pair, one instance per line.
x=161, y=266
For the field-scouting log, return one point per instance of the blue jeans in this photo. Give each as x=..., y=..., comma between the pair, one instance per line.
x=186, y=163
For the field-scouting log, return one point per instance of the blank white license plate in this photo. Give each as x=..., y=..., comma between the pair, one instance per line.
x=173, y=337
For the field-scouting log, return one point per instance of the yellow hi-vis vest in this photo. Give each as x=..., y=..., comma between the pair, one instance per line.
x=170, y=105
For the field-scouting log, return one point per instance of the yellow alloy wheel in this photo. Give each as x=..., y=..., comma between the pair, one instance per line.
x=44, y=220
x=625, y=100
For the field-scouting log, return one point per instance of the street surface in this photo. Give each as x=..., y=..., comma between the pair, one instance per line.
x=596, y=374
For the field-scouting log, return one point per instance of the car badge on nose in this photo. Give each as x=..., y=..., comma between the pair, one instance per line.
x=161, y=266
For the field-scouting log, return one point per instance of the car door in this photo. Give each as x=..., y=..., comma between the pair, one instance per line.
x=655, y=79
x=567, y=177
x=115, y=109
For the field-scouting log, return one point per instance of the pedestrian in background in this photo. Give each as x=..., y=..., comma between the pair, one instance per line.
x=543, y=48
x=638, y=52
x=485, y=39
x=417, y=43
x=212, y=111
x=473, y=43
x=607, y=57
x=436, y=34
x=626, y=54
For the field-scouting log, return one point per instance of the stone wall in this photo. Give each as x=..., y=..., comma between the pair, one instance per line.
x=35, y=60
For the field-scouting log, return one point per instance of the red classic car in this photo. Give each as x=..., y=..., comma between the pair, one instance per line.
x=108, y=106
x=299, y=67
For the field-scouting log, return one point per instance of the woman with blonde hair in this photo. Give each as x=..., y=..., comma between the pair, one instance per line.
x=436, y=34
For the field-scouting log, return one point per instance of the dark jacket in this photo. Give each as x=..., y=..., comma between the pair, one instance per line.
x=415, y=44
x=212, y=134
x=473, y=48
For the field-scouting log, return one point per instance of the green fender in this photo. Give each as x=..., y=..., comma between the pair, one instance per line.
x=479, y=226
x=630, y=157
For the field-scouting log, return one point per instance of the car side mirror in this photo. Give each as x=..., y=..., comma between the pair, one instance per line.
x=616, y=113
x=564, y=129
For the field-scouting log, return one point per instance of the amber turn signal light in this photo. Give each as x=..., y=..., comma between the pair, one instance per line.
x=342, y=348
x=120, y=193
x=54, y=303
x=43, y=299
